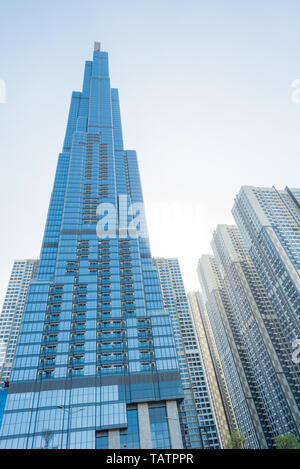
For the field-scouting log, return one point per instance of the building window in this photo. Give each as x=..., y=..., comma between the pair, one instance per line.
x=101, y=440
x=129, y=437
x=159, y=428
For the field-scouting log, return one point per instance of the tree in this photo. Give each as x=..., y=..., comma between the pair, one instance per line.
x=47, y=436
x=287, y=441
x=236, y=441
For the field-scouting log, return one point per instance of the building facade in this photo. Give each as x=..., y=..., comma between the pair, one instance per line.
x=251, y=313
x=217, y=383
x=269, y=222
x=95, y=364
x=3, y=397
x=10, y=319
x=196, y=411
x=220, y=316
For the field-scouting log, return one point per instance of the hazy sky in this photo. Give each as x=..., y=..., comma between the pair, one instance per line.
x=205, y=92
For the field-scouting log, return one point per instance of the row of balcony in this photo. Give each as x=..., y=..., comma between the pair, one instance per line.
x=51, y=336
x=80, y=320
x=145, y=360
x=77, y=346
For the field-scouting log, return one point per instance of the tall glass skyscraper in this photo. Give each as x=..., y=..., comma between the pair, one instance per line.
x=95, y=363
x=196, y=411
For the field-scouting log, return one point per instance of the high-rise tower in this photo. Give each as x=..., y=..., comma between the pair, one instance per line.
x=10, y=318
x=95, y=364
x=252, y=316
x=220, y=315
x=269, y=222
x=196, y=411
x=217, y=383
x=250, y=287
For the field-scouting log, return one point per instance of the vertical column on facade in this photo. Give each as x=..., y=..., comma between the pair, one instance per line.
x=144, y=425
x=114, y=439
x=174, y=425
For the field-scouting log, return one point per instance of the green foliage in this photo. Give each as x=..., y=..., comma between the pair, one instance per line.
x=287, y=441
x=236, y=441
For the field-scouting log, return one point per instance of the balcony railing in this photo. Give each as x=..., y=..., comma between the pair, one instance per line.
x=112, y=359
x=46, y=353
x=47, y=364
x=109, y=337
x=49, y=340
x=76, y=372
x=78, y=327
x=75, y=350
x=110, y=348
x=103, y=326
x=112, y=370
x=145, y=345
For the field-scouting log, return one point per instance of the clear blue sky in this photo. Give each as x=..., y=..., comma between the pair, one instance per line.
x=205, y=89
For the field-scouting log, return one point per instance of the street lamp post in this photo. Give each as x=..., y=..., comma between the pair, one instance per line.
x=70, y=412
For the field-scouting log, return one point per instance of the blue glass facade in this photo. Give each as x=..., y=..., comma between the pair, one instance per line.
x=159, y=427
x=129, y=437
x=94, y=337
x=3, y=396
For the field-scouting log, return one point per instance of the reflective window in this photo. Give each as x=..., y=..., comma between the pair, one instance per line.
x=159, y=427
x=129, y=437
x=101, y=440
